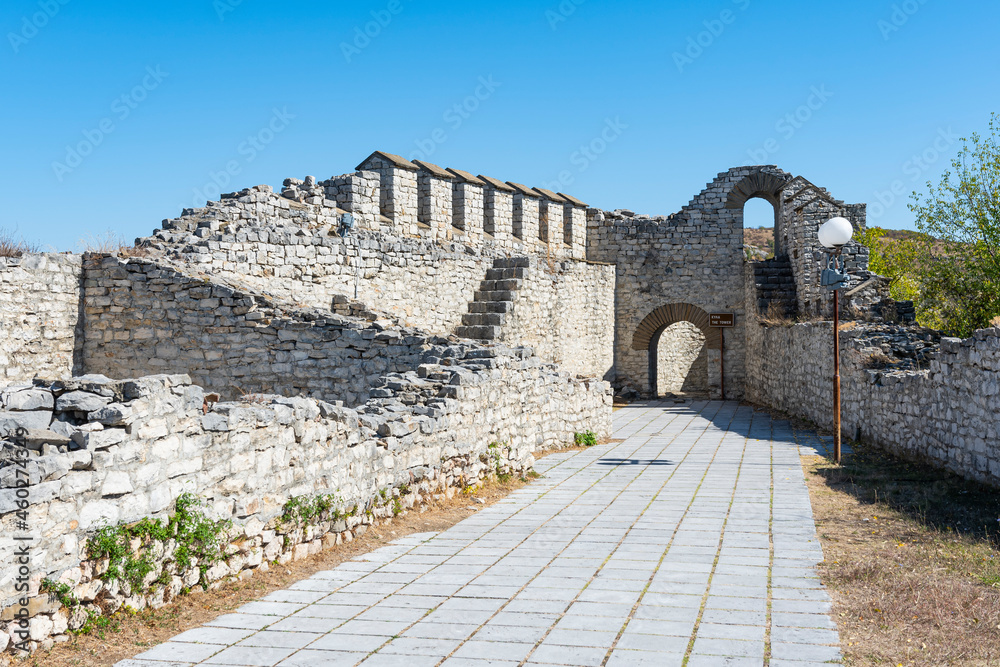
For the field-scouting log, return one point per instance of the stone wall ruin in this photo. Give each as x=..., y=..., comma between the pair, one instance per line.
x=403, y=330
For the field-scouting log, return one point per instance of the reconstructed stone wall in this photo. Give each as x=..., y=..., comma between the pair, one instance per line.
x=119, y=451
x=565, y=312
x=946, y=414
x=39, y=315
x=682, y=365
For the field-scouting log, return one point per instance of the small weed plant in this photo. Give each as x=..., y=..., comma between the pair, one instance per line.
x=585, y=439
x=198, y=539
x=494, y=454
x=63, y=592
x=302, y=510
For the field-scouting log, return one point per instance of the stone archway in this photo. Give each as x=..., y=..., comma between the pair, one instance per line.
x=767, y=186
x=647, y=334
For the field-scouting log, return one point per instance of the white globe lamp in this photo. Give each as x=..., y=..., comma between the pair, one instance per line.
x=836, y=232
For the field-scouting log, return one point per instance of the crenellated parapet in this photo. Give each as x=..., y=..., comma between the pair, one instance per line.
x=423, y=199
x=394, y=196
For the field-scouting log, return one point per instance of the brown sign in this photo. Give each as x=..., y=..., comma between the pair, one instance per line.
x=720, y=320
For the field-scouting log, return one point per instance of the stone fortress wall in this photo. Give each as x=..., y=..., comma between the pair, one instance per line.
x=405, y=330
x=416, y=259
x=687, y=265
x=338, y=351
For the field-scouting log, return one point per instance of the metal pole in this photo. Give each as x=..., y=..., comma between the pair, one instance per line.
x=722, y=361
x=836, y=371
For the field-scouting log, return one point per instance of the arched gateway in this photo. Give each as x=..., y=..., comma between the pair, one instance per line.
x=648, y=333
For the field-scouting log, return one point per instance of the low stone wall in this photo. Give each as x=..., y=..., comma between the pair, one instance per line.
x=416, y=282
x=144, y=318
x=40, y=297
x=945, y=414
x=565, y=311
x=107, y=453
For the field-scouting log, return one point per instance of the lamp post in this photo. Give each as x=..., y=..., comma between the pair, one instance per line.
x=835, y=234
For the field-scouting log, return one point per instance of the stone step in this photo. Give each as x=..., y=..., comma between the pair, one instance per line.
x=499, y=285
x=478, y=332
x=506, y=274
x=775, y=290
x=772, y=273
x=491, y=306
x=484, y=319
x=499, y=295
x=512, y=263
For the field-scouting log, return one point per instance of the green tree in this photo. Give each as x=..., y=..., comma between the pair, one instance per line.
x=894, y=259
x=957, y=263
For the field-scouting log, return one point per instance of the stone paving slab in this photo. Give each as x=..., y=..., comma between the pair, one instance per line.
x=691, y=542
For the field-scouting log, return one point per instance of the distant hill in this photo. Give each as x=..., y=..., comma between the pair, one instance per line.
x=762, y=238
x=759, y=243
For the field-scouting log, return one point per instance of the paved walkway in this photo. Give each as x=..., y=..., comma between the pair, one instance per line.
x=691, y=542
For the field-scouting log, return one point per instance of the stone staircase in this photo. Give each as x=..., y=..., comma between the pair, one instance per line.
x=775, y=285
x=494, y=300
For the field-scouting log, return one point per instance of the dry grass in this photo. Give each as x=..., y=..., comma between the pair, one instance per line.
x=131, y=635
x=877, y=360
x=111, y=243
x=776, y=316
x=258, y=398
x=995, y=321
x=912, y=560
x=12, y=245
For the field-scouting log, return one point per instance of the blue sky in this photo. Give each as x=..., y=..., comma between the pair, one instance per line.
x=119, y=114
